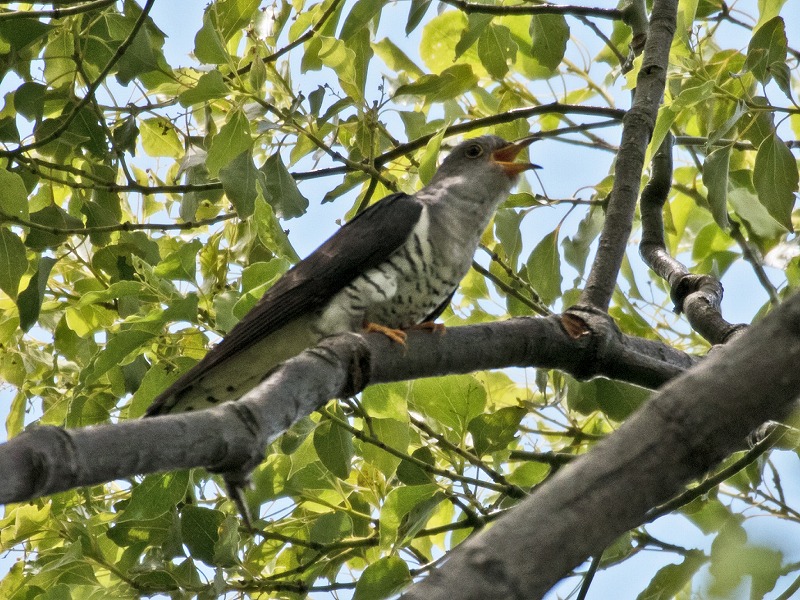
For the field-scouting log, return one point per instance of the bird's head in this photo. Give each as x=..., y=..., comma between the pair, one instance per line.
x=488, y=156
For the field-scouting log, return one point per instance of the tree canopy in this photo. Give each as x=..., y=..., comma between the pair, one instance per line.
x=148, y=199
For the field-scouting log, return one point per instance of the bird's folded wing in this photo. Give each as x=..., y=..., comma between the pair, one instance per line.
x=361, y=244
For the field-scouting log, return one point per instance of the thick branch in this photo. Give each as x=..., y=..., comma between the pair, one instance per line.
x=233, y=437
x=685, y=429
x=637, y=129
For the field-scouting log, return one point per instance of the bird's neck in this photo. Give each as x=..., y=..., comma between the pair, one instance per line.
x=468, y=202
x=459, y=209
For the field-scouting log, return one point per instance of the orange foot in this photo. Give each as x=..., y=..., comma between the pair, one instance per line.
x=430, y=326
x=396, y=335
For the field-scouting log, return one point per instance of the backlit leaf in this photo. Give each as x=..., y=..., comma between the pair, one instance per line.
x=544, y=268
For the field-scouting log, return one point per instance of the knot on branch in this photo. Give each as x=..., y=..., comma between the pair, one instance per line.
x=602, y=334
x=701, y=287
x=242, y=453
x=41, y=445
x=350, y=350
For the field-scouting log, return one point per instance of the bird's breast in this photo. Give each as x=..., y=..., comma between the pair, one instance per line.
x=403, y=290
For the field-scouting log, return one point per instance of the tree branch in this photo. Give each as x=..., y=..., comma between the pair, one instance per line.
x=56, y=13
x=698, y=296
x=686, y=428
x=233, y=436
x=637, y=129
x=538, y=9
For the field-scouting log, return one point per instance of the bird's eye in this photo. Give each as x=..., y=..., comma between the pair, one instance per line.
x=473, y=151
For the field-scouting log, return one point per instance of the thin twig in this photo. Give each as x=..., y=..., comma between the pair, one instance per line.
x=539, y=9
x=4, y=218
x=56, y=13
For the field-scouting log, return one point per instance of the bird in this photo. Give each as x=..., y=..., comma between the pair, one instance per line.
x=394, y=266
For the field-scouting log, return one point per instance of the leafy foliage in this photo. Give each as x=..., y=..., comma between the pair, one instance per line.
x=142, y=213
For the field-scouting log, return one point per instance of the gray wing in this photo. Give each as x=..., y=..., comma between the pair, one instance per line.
x=363, y=243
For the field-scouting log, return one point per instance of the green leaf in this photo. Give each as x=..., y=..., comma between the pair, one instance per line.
x=126, y=134
x=394, y=434
x=226, y=549
x=117, y=350
x=20, y=33
x=181, y=264
x=767, y=46
x=430, y=158
x=156, y=495
x=416, y=12
x=360, y=45
x=8, y=130
x=395, y=58
x=476, y=23
x=13, y=262
x=744, y=201
x=506, y=228
x=280, y=189
x=410, y=473
x=775, y=178
x=209, y=47
x=210, y=86
x=399, y=503
x=334, y=446
x=270, y=232
x=550, y=35
x=715, y=178
x=51, y=216
x=495, y=431
x=439, y=39
x=239, y=179
x=29, y=100
x=497, y=49
x=452, y=401
x=315, y=100
x=361, y=14
x=544, y=268
x=386, y=401
x=615, y=398
x=29, y=302
x=142, y=56
x=576, y=249
x=382, y=578
x=452, y=82
x=331, y=527
x=333, y=53
x=233, y=139
x=200, y=531
x=160, y=139
x=14, y=199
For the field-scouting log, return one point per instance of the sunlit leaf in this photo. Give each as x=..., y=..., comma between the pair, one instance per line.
x=544, y=268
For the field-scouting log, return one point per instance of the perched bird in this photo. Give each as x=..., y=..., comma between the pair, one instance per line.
x=395, y=265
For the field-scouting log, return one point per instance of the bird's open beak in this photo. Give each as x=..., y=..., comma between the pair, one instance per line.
x=505, y=156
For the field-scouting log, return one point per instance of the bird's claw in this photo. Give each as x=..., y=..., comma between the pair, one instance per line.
x=396, y=335
x=430, y=326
